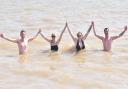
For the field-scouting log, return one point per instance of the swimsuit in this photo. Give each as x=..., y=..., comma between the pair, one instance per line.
x=54, y=48
x=78, y=47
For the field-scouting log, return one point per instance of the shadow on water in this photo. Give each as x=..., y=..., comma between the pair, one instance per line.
x=80, y=56
x=52, y=54
x=69, y=50
x=45, y=51
x=9, y=56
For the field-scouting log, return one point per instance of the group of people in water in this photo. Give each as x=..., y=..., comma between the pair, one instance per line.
x=78, y=40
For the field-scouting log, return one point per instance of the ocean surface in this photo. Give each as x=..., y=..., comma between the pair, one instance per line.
x=65, y=69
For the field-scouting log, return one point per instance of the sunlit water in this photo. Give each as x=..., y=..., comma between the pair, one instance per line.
x=41, y=69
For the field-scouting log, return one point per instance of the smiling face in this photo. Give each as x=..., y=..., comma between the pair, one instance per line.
x=22, y=34
x=79, y=35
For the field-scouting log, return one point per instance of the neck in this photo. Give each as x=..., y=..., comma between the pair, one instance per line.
x=79, y=38
x=107, y=36
x=22, y=38
x=53, y=40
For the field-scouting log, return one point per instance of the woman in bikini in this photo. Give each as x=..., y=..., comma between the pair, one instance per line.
x=53, y=42
x=79, y=40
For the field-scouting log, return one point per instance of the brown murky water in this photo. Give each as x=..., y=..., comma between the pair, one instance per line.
x=41, y=69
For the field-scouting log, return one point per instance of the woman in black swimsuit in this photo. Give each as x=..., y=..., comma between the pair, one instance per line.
x=79, y=41
x=53, y=42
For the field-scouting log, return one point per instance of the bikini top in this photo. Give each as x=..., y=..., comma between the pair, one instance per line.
x=54, y=46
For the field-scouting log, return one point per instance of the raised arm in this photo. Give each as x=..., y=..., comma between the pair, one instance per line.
x=121, y=34
x=45, y=37
x=85, y=36
x=70, y=33
x=11, y=40
x=31, y=39
x=62, y=33
x=100, y=37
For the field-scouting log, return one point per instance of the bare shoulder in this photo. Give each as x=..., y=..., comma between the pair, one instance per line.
x=114, y=37
x=111, y=37
x=17, y=40
x=50, y=40
x=102, y=38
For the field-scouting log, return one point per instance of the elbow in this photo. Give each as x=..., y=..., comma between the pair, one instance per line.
x=95, y=34
x=121, y=34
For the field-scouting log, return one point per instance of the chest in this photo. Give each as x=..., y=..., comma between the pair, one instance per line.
x=23, y=43
x=53, y=43
x=80, y=43
x=107, y=41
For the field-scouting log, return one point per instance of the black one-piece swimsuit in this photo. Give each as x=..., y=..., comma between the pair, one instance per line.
x=78, y=48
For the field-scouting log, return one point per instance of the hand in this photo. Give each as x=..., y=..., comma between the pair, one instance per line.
x=2, y=35
x=125, y=28
x=39, y=30
x=93, y=23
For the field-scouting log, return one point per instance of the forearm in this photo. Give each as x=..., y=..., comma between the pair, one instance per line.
x=62, y=32
x=14, y=41
x=94, y=32
x=100, y=37
x=44, y=37
x=70, y=32
x=87, y=32
x=33, y=37
x=89, y=29
x=61, y=35
x=36, y=35
x=71, y=35
x=122, y=33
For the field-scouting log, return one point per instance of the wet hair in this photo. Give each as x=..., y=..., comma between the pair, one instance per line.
x=22, y=31
x=106, y=29
x=78, y=34
x=53, y=35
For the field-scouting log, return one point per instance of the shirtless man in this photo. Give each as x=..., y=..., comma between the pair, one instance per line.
x=53, y=42
x=22, y=42
x=107, y=41
x=79, y=40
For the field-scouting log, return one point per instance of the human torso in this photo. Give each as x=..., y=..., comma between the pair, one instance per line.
x=22, y=45
x=107, y=44
x=54, y=45
x=79, y=44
